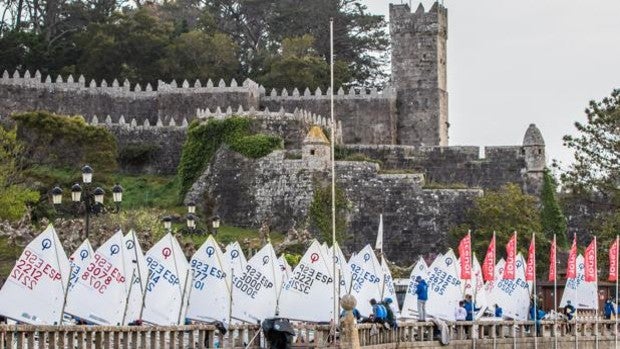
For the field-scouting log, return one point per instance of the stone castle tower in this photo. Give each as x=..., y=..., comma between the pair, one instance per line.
x=419, y=73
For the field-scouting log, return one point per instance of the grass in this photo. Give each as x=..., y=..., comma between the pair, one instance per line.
x=148, y=191
x=227, y=234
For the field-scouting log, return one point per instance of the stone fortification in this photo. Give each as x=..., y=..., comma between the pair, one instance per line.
x=155, y=148
x=166, y=101
x=367, y=116
x=279, y=190
x=469, y=166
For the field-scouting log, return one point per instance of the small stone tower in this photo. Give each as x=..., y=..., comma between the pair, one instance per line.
x=535, y=160
x=315, y=149
x=419, y=73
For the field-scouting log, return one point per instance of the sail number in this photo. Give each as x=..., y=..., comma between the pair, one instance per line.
x=100, y=273
x=158, y=271
x=30, y=268
x=203, y=270
x=439, y=280
x=251, y=281
x=359, y=276
x=304, y=277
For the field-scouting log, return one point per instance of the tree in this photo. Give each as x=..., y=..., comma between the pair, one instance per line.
x=505, y=211
x=14, y=198
x=197, y=55
x=552, y=219
x=597, y=150
x=298, y=65
x=259, y=26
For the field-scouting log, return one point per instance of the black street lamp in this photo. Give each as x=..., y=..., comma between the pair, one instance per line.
x=93, y=202
x=191, y=222
x=167, y=223
x=191, y=207
x=215, y=222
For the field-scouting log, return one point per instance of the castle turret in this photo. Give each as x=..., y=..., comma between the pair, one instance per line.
x=419, y=73
x=535, y=159
x=315, y=149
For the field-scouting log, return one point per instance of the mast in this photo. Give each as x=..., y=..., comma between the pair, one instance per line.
x=333, y=165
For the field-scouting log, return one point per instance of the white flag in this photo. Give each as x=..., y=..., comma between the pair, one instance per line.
x=79, y=261
x=165, y=300
x=366, y=276
x=33, y=293
x=254, y=289
x=379, y=243
x=138, y=271
x=99, y=295
x=210, y=295
x=308, y=294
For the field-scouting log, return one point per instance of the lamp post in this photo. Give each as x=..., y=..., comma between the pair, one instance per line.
x=93, y=201
x=167, y=223
x=191, y=222
x=215, y=222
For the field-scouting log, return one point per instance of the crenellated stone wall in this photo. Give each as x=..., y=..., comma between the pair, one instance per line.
x=366, y=116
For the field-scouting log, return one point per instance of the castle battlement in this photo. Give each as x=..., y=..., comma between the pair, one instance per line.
x=125, y=90
x=340, y=94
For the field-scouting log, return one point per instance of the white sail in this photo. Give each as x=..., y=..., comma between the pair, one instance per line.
x=285, y=269
x=582, y=294
x=166, y=289
x=343, y=270
x=489, y=286
x=254, y=289
x=444, y=287
x=209, y=298
x=137, y=276
x=387, y=287
x=410, y=304
x=236, y=258
x=79, y=261
x=100, y=292
x=475, y=288
x=366, y=276
x=513, y=296
x=34, y=291
x=308, y=294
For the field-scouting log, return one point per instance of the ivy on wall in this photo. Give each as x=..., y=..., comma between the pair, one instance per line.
x=321, y=213
x=204, y=139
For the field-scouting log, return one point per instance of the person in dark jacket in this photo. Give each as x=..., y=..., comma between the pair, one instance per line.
x=569, y=311
x=499, y=312
x=390, y=318
x=609, y=309
x=470, y=307
x=422, y=292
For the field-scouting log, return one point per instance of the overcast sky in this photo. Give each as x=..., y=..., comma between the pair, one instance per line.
x=512, y=63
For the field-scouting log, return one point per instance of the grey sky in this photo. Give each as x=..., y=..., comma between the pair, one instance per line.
x=512, y=63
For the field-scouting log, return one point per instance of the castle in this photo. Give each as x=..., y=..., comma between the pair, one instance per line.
x=404, y=127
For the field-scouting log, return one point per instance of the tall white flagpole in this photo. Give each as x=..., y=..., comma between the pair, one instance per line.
x=333, y=141
x=472, y=278
x=555, y=293
x=616, y=299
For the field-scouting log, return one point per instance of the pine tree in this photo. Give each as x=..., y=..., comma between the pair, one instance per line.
x=551, y=216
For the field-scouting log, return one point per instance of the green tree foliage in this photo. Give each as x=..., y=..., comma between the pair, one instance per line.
x=552, y=219
x=196, y=54
x=505, y=211
x=321, y=213
x=300, y=66
x=597, y=150
x=64, y=141
x=14, y=197
x=188, y=39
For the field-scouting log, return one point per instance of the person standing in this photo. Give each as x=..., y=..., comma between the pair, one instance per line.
x=499, y=312
x=609, y=309
x=460, y=313
x=422, y=292
x=569, y=311
x=470, y=307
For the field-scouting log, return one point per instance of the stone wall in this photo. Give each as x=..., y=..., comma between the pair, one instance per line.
x=452, y=165
x=168, y=101
x=278, y=190
x=367, y=117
